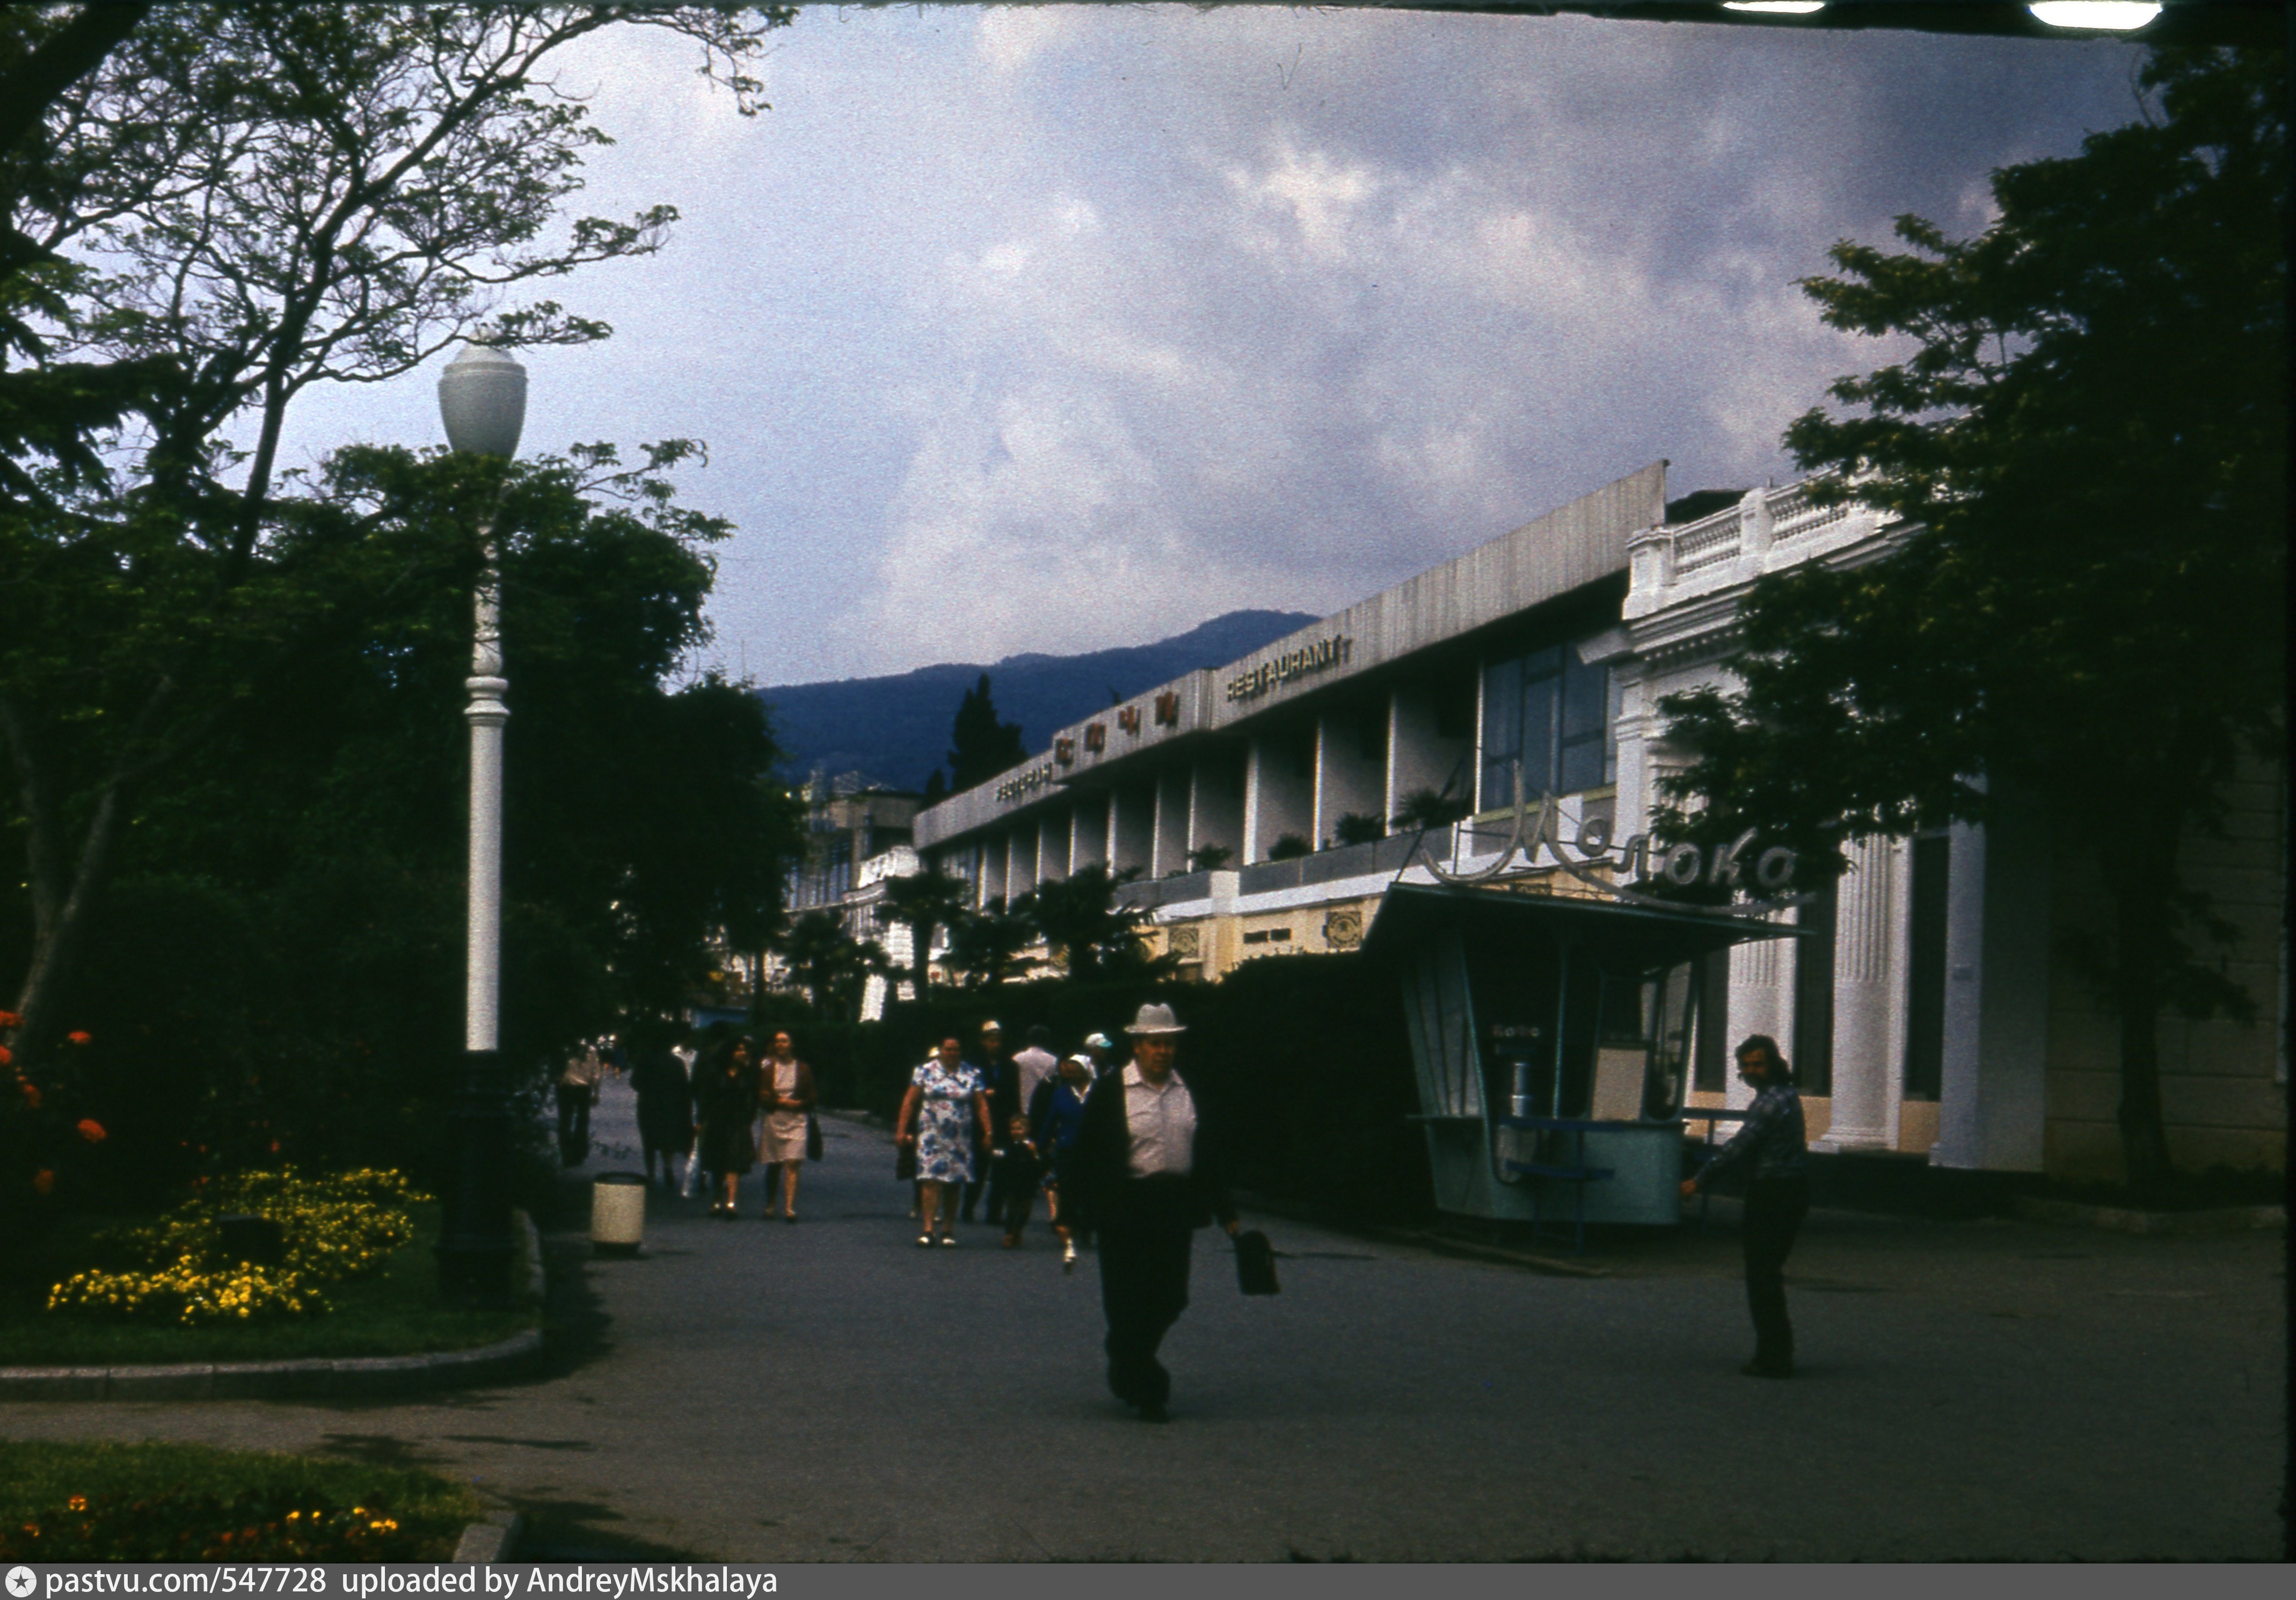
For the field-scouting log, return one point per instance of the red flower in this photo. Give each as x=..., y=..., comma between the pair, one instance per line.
x=43, y=1181
x=6, y=1055
x=30, y=1091
x=8, y=1019
x=77, y=1037
x=91, y=1131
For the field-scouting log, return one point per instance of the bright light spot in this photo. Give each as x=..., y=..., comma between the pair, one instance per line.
x=1783, y=8
x=2114, y=16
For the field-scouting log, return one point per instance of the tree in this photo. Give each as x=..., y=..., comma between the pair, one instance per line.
x=833, y=966
x=981, y=746
x=986, y=945
x=2087, y=446
x=238, y=202
x=923, y=903
x=282, y=929
x=1086, y=929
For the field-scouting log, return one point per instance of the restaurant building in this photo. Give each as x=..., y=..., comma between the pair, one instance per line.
x=1927, y=1001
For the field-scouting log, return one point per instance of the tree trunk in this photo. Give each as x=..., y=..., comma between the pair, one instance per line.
x=2143, y=1134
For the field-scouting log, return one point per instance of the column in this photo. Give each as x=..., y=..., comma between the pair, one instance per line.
x=1279, y=789
x=1169, y=853
x=1350, y=769
x=1868, y=1019
x=1132, y=828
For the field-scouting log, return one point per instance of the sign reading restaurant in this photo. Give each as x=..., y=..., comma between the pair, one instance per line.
x=1028, y=783
x=1253, y=681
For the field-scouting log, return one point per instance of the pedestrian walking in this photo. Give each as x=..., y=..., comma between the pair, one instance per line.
x=727, y=1100
x=1101, y=1049
x=665, y=1108
x=1145, y=1173
x=1771, y=1145
x=1036, y=1063
x=785, y=1090
x=576, y=1093
x=1055, y=1113
x=945, y=1118
x=999, y=1081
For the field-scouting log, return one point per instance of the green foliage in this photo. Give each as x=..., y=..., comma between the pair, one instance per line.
x=1089, y=932
x=130, y=1502
x=284, y=924
x=923, y=903
x=1354, y=828
x=1290, y=847
x=985, y=945
x=833, y=966
x=1210, y=858
x=220, y=208
x=980, y=745
x=1425, y=810
x=2087, y=448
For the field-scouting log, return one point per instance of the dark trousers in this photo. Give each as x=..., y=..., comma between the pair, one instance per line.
x=573, y=1124
x=1146, y=1235
x=1774, y=1210
x=1013, y=1190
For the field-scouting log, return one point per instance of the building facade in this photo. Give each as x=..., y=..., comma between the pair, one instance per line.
x=1267, y=807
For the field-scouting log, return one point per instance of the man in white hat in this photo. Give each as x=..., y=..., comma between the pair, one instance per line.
x=1146, y=1177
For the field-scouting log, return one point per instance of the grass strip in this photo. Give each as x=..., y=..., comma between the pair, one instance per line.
x=158, y=1501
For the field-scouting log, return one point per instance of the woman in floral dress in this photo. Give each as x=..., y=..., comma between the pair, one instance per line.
x=946, y=1102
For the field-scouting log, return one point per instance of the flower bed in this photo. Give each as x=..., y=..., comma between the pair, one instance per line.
x=332, y=1230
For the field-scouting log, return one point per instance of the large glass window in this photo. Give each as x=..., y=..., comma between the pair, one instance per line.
x=1553, y=711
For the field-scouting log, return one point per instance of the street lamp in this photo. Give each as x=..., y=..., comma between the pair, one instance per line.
x=482, y=400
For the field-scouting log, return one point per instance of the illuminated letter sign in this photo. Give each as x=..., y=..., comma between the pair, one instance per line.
x=1095, y=738
x=1167, y=710
x=1064, y=751
x=1128, y=719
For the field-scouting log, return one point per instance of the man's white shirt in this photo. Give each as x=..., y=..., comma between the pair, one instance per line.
x=1162, y=1122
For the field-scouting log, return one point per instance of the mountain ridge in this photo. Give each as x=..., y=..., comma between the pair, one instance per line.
x=894, y=729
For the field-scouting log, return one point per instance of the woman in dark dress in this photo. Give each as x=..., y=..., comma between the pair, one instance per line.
x=726, y=1097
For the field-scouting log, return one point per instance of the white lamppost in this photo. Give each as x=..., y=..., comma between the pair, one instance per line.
x=482, y=400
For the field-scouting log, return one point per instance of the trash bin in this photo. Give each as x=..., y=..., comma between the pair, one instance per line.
x=617, y=1213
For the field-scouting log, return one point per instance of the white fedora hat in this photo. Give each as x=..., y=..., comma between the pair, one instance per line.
x=1156, y=1019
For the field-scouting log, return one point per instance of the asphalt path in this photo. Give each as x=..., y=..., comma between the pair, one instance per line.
x=829, y=1391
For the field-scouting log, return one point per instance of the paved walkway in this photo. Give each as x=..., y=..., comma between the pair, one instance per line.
x=829, y=1391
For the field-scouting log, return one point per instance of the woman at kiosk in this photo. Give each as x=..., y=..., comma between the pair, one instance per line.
x=1771, y=1144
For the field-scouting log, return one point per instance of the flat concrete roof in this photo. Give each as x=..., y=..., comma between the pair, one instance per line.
x=1567, y=549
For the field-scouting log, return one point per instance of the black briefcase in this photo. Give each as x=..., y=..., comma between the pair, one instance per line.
x=1255, y=1264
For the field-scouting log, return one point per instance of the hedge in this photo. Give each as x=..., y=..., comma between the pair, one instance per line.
x=1307, y=1052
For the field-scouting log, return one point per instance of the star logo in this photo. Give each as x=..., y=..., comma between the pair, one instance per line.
x=22, y=1581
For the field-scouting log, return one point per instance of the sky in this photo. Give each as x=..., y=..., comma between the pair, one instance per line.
x=1056, y=328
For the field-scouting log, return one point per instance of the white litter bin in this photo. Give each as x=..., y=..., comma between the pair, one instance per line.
x=617, y=1213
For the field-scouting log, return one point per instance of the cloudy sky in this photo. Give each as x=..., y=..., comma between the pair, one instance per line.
x=1053, y=328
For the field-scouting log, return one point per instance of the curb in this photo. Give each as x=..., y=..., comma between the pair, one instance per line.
x=2223, y=1219
x=489, y=1538
x=361, y=1377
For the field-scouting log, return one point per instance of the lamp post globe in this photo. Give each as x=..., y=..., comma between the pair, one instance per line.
x=482, y=402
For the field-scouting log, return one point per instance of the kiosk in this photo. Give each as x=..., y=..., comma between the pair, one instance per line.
x=1551, y=1038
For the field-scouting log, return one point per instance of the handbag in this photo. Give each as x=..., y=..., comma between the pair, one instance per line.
x=812, y=1137
x=905, y=1162
x=1255, y=1264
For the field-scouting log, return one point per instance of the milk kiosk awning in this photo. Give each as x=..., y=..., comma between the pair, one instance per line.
x=1551, y=1038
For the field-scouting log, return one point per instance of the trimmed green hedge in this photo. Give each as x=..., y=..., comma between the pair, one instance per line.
x=1309, y=1052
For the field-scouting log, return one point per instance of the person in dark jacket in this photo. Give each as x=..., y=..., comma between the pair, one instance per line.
x=1000, y=1079
x=1770, y=1145
x=726, y=1095
x=1144, y=1173
x=665, y=1108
